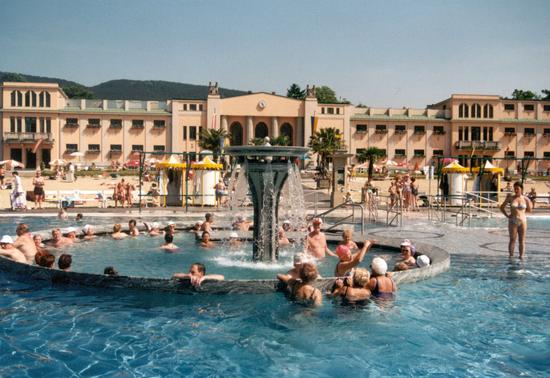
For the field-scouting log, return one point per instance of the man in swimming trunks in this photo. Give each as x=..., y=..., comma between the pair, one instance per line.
x=24, y=242
x=208, y=222
x=317, y=242
x=9, y=251
x=197, y=274
x=58, y=240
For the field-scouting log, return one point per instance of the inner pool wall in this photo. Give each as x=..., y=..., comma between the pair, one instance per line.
x=440, y=262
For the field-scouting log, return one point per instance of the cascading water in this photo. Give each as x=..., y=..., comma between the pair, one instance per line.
x=292, y=204
x=267, y=237
x=238, y=195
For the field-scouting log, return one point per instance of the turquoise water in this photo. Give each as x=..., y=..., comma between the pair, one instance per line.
x=485, y=317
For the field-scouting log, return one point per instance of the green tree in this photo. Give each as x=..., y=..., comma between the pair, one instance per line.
x=546, y=94
x=325, y=95
x=211, y=139
x=281, y=140
x=371, y=154
x=78, y=91
x=325, y=143
x=295, y=92
x=520, y=94
x=13, y=77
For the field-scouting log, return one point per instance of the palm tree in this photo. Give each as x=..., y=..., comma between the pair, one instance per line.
x=371, y=154
x=325, y=143
x=212, y=139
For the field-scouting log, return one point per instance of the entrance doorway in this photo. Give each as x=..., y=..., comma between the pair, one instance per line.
x=31, y=159
x=16, y=154
x=46, y=157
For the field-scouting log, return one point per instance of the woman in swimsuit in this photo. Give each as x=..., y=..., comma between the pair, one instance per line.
x=381, y=284
x=353, y=289
x=517, y=220
x=303, y=291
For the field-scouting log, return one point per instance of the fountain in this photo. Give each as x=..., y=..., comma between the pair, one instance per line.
x=266, y=168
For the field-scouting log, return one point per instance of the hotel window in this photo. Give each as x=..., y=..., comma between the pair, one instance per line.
x=462, y=133
x=159, y=123
x=193, y=107
x=529, y=131
x=30, y=124
x=45, y=99
x=193, y=132
x=509, y=107
x=547, y=154
x=27, y=98
x=159, y=148
x=93, y=148
x=12, y=96
x=487, y=111
x=184, y=130
x=116, y=124
x=94, y=123
x=116, y=147
x=509, y=131
x=400, y=153
x=509, y=153
x=361, y=129
x=16, y=124
x=184, y=107
x=137, y=124
x=529, y=154
x=546, y=132
x=337, y=110
x=322, y=110
x=137, y=147
x=528, y=107
x=463, y=111
x=381, y=129
x=200, y=107
x=400, y=129
x=71, y=147
x=438, y=153
x=419, y=153
x=476, y=111
x=330, y=110
x=439, y=130
x=200, y=133
x=33, y=99
x=488, y=134
x=419, y=130
x=476, y=133
x=45, y=125
x=71, y=122
x=16, y=98
x=546, y=108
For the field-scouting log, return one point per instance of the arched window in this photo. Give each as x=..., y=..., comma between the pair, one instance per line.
x=236, y=131
x=27, y=98
x=19, y=98
x=286, y=129
x=261, y=130
x=13, y=98
x=33, y=99
x=487, y=111
x=463, y=111
x=476, y=111
x=48, y=100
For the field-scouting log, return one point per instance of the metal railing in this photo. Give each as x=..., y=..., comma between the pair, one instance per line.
x=347, y=219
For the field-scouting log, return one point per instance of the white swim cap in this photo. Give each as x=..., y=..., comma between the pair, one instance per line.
x=422, y=261
x=379, y=266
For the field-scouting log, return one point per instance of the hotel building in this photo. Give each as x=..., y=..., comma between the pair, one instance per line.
x=107, y=130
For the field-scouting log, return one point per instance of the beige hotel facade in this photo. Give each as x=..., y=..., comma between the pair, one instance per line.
x=111, y=130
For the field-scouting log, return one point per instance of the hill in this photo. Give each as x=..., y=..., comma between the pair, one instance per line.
x=125, y=89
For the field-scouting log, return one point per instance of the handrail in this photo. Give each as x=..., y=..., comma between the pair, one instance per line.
x=343, y=219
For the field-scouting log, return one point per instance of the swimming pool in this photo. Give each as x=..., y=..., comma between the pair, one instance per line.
x=486, y=316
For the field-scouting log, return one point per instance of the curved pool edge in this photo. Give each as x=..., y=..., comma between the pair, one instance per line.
x=441, y=261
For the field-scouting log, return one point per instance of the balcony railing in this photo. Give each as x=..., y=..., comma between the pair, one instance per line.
x=478, y=145
x=94, y=125
x=27, y=137
x=71, y=125
x=419, y=132
x=400, y=132
x=380, y=131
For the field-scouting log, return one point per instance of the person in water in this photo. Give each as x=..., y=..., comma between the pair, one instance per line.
x=64, y=262
x=347, y=240
x=517, y=219
x=294, y=273
x=58, y=240
x=234, y=241
x=197, y=275
x=317, y=242
x=132, y=228
x=24, y=242
x=168, y=244
x=117, y=232
x=407, y=260
x=205, y=240
x=9, y=251
x=381, y=284
x=302, y=290
x=348, y=261
x=88, y=232
x=354, y=287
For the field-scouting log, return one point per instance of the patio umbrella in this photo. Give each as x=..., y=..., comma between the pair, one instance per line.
x=11, y=164
x=77, y=154
x=57, y=162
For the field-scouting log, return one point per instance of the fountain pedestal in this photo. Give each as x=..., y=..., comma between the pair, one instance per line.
x=266, y=168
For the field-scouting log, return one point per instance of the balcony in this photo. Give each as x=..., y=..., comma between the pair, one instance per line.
x=94, y=125
x=27, y=137
x=93, y=151
x=477, y=145
x=419, y=132
x=380, y=131
x=71, y=125
x=400, y=132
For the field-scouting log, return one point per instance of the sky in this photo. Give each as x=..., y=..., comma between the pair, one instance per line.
x=378, y=53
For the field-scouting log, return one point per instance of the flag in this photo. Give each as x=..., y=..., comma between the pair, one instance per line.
x=37, y=144
x=314, y=122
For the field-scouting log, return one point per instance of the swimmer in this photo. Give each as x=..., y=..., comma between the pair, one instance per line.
x=347, y=240
x=46, y=260
x=9, y=251
x=110, y=271
x=132, y=228
x=242, y=224
x=62, y=214
x=37, y=239
x=88, y=232
x=205, y=240
x=70, y=233
x=170, y=228
x=234, y=241
x=58, y=240
x=168, y=244
x=153, y=229
x=24, y=242
x=354, y=287
x=197, y=275
x=64, y=262
x=381, y=284
x=117, y=233
x=208, y=222
x=348, y=261
x=302, y=291
x=197, y=227
x=79, y=217
x=407, y=260
x=294, y=273
x=317, y=242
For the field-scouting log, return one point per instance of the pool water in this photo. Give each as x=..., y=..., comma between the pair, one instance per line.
x=487, y=316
